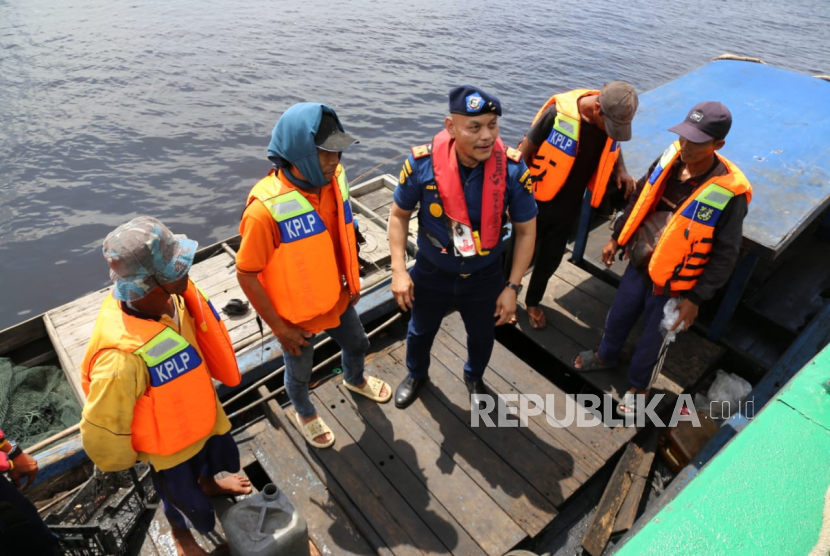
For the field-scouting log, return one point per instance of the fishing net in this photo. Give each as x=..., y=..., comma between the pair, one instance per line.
x=35, y=402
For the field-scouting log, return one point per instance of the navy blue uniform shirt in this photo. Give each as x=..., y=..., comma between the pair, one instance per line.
x=417, y=186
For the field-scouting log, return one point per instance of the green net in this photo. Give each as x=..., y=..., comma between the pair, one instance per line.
x=35, y=402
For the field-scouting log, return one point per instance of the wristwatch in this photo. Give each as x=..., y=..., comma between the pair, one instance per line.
x=515, y=287
x=15, y=451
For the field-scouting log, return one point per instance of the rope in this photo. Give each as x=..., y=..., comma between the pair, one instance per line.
x=364, y=174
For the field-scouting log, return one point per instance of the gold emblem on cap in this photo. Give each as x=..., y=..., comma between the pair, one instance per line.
x=436, y=210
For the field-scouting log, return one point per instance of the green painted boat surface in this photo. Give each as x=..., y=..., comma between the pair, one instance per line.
x=765, y=492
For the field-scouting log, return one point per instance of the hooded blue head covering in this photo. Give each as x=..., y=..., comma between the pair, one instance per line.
x=292, y=142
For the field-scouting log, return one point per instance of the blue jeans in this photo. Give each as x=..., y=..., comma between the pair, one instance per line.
x=634, y=298
x=351, y=338
x=475, y=298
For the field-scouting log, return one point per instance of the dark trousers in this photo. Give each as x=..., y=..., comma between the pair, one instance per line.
x=185, y=505
x=634, y=298
x=553, y=227
x=22, y=531
x=475, y=298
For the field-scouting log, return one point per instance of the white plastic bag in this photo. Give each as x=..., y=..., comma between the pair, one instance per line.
x=670, y=314
x=726, y=393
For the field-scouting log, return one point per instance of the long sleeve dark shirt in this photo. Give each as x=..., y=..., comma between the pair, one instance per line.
x=728, y=233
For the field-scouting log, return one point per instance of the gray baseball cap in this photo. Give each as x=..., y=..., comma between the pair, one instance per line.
x=619, y=102
x=706, y=121
x=330, y=137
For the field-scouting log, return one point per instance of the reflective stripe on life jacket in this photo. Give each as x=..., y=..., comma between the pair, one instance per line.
x=554, y=160
x=179, y=406
x=683, y=249
x=494, y=188
x=302, y=278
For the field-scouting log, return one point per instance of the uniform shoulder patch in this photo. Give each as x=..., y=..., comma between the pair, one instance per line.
x=421, y=151
x=513, y=154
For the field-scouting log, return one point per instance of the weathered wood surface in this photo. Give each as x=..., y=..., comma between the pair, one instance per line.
x=599, y=531
x=422, y=480
x=576, y=305
x=329, y=528
x=628, y=510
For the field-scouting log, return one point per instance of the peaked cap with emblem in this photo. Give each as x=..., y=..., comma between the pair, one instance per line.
x=472, y=101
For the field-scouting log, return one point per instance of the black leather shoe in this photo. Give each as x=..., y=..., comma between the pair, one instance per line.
x=477, y=389
x=407, y=391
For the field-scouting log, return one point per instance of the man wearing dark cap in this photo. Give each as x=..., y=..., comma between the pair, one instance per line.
x=148, y=377
x=682, y=232
x=573, y=144
x=298, y=263
x=466, y=183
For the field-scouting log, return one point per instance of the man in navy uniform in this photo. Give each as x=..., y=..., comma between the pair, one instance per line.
x=466, y=182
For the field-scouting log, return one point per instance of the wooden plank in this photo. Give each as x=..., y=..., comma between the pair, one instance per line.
x=376, y=497
x=328, y=526
x=72, y=375
x=340, y=494
x=443, y=531
x=21, y=334
x=493, y=530
x=518, y=498
x=599, y=531
x=578, y=278
x=628, y=510
x=376, y=199
x=572, y=451
x=520, y=449
x=527, y=380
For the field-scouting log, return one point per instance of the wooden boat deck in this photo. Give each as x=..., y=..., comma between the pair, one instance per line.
x=422, y=480
x=576, y=304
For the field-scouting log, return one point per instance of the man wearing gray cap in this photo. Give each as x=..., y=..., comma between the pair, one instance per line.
x=298, y=259
x=573, y=144
x=156, y=347
x=682, y=232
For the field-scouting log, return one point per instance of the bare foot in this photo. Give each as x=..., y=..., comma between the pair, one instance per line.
x=326, y=436
x=184, y=542
x=383, y=391
x=231, y=485
x=578, y=361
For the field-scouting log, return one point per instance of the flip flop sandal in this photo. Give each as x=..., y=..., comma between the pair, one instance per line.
x=372, y=389
x=628, y=405
x=313, y=429
x=539, y=321
x=235, y=307
x=590, y=362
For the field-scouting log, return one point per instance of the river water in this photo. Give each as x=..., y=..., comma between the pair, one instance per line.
x=109, y=109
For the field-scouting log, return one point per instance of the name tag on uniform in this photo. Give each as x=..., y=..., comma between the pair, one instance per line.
x=462, y=239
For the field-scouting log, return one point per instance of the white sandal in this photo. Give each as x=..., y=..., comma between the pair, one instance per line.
x=372, y=389
x=313, y=429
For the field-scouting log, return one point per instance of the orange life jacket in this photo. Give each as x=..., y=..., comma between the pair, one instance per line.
x=554, y=160
x=302, y=278
x=179, y=406
x=494, y=187
x=683, y=249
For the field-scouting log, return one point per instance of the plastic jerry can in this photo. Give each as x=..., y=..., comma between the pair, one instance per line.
x=266, y=524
